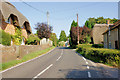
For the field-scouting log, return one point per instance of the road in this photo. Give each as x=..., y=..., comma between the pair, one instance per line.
x=61, y=62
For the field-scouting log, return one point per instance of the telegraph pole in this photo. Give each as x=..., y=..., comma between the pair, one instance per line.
x=48, y=20
x=77, y=29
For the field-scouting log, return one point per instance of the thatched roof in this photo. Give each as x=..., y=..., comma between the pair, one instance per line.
x=97, y=31
x=8, y=9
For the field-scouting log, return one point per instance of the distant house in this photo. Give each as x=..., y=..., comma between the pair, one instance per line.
x=97, y=32
x=112, y=36
x=11, y=18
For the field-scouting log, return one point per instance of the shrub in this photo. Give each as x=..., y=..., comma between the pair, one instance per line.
x=106, y=56
x=5, y=38
x=98, y=45
x=32, y=39
x=61, y=43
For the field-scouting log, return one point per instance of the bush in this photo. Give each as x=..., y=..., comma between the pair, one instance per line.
x=73, y=46
x=98, y=45
x=61, y=43
x=106, y=56
x=5, y=38
x=32, y=39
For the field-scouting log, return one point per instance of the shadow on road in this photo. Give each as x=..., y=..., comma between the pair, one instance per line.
x=64, y=48
x=75, y=74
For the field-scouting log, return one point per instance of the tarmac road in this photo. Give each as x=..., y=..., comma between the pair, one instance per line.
x=62, y=62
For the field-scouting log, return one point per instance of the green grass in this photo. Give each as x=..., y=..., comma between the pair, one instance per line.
x=109, y=57
x=25, y=58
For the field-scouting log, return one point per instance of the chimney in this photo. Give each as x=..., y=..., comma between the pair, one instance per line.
x=108, y=22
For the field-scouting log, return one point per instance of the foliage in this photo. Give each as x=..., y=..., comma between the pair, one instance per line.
x=61, y=43
x=84, y=35
x=88, y=24
x=106, y=56
x=63, y=36
x=43, y=30
x=98, y=45
x=53, y=37
x=32, y=39
x=100, y=20
x=17, y=38
x=87, y=39
x=74, y=24
x=73, y=36
x=5, y=38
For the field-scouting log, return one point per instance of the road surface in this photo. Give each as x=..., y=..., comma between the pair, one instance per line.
x=61, y=62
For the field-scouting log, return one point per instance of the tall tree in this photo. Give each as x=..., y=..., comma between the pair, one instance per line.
x=53, y=37
x=74, y=24
x=73, y=36
x=43, y=30
x=63, y=36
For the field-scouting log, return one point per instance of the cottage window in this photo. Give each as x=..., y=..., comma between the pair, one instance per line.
x=9, y=20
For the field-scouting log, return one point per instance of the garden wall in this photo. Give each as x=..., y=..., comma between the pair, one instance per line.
x=16, y=52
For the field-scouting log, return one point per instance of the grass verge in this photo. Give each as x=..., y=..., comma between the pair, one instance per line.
x=25, y=58
x=109, y=57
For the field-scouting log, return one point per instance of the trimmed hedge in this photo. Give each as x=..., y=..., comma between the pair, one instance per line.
x=5, y=38
x=98, y=45
x=106, y=56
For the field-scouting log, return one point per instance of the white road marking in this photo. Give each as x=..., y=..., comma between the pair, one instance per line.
x=42, y=71
x=88, y=67
x=86, y=62
x=58, y=58
x=62, y=52
x=89, y=75
x=84, y=58
x=26, y=62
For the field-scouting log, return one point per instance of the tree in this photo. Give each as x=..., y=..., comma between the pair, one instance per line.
x=73, y=36
x=43, y=30
x=100, y=20
x=63, y=36
x=53, y=37
x=88, y=24
x=74, y=24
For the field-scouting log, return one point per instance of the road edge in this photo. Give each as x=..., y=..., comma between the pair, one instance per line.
x=26, y=61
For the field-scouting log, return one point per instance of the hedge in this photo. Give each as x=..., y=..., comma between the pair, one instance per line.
x=102, y=55
x=5, y=38
x=98, y=45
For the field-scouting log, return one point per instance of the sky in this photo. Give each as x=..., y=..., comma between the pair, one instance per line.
x=61, y=14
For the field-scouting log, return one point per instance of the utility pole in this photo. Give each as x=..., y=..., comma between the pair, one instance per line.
x=48, y=20
x=77, y=29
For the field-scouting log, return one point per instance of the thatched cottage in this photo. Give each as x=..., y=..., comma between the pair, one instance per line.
x=11, y=18
x=97, y=32
x=112, y=36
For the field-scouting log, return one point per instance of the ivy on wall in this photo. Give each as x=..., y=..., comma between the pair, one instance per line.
x=17, y=38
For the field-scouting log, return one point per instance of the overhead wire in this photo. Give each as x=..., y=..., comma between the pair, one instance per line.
x=78, y=8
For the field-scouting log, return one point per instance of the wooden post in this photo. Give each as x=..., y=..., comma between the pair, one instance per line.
x=77, y=29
